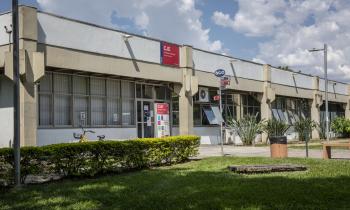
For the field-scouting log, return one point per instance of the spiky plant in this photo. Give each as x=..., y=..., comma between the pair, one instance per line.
x=275, y=127
x=304, y=128
x=247, y=128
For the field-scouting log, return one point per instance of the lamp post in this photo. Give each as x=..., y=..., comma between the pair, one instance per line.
x=324, y=49
x=16, y=101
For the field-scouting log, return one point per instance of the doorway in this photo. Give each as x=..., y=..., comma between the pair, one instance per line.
x=145, y=119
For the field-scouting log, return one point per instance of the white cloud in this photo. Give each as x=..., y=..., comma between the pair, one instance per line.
x=173, y=20
x=293, y=26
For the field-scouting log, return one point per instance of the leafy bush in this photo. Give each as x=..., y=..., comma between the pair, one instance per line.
x=304, y=128
x=247, y=128
x=341, y=126
x=275, y=127
x=91, y=158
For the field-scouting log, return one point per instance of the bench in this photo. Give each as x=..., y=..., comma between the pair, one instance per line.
x=327, y=152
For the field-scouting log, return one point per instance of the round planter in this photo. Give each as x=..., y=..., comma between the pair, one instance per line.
x=278, y=146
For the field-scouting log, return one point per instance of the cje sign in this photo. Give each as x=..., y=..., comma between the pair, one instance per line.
x=220, y=73
x=169, y=54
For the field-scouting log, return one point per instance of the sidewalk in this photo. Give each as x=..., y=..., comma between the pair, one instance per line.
x=245, y=151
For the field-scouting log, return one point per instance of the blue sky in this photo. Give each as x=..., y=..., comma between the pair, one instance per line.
x=277, y=32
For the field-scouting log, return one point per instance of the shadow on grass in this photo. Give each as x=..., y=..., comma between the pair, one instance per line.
x=184, y=189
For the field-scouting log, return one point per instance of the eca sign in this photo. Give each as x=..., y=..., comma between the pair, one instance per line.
x=169, y=54
x=220, y=73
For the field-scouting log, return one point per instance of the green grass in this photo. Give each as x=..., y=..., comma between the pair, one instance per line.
x=205, y=184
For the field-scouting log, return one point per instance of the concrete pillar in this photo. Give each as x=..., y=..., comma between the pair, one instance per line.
x=267, y=98
x=28, y=94
x=238, y=105
x=315, y=107
x=347, y=108
x=186, y=90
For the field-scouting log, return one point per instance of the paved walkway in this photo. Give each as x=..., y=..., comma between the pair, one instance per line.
x=242, y=151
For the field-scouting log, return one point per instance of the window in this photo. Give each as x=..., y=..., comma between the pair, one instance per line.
x=175, y=109
x=62, y=99
x=251, y=106
x=334, y=110
x=199, y=116
x=290, y=110
x=229, y=110
x=128, y=103
x=73, y=101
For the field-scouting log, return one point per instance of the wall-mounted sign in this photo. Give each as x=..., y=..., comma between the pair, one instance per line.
x=169, y=54
x=219, y=72
x=162, y=126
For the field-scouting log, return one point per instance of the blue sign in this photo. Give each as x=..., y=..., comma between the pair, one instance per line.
x=220, y=73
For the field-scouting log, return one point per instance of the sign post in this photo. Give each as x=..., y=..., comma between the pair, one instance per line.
x=220, y=73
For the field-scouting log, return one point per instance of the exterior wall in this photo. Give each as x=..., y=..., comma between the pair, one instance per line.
x=90, y=38
x=209, y=135
x=209, y=62
x=5, y=20
x=6, y=112
x=290, y=79
x=54, y=136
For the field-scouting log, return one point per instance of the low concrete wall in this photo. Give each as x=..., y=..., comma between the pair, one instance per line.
x=55, y=136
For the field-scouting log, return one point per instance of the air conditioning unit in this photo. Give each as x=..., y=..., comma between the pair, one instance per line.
x=203, y=94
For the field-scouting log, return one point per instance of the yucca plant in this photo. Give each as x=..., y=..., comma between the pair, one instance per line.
x=304, y=128
x=247, y=128
x=321, y=128
x=275, y=127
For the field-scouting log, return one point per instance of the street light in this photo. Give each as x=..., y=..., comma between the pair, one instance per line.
x=324, y=49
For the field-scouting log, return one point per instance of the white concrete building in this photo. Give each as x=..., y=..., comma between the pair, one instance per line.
x=77, y=74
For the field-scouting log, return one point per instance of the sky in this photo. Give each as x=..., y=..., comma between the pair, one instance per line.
x=277, y=32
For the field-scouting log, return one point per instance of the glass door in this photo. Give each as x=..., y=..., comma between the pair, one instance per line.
x=145, y=119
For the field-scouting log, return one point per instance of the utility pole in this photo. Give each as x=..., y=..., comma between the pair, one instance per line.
x=16, y=99
x=325, y=49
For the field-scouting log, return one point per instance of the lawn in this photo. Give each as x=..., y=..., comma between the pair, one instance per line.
x=204, y=184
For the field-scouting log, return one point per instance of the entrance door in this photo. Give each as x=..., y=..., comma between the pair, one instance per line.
x=145, y=119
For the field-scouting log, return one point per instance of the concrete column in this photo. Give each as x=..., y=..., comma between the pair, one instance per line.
x=238, y=105
x=315, y=107
x=347, y=108
x=186, y=90
x=28, y=44
x=267, y=98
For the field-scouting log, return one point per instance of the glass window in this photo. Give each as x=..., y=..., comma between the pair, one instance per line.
x=81, y=111
x=128, y=116
x=62, y=107
x=72, y=100
x=147, y=91
x=160, y=92
x=45, y=109
x=251, y=106
x=175, y=109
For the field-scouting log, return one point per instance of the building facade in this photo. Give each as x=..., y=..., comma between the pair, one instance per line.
x=76, y=74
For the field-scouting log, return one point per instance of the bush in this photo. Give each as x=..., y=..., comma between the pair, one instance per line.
x=92, y=158
x=341, y=126
x=304, y=128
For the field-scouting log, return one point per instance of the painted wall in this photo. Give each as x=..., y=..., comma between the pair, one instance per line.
x=6, y=112
x=94, y=39
x=288, y=78
x=338, y=88
x=55, y=136
x=209, y=62
x=5, y=20
x=209, y=135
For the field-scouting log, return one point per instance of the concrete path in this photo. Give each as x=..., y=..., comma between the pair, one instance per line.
x=243, y=151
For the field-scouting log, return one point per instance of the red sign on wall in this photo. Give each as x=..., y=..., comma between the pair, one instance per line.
x=162, y=108
x=169, y=54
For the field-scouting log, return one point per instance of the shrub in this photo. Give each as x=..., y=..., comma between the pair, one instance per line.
x=247, y=128
x=91, y=158
x=341, y=126
x=304, y=128
x=275, y=127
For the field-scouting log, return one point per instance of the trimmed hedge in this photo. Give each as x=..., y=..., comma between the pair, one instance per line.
x=98, y=157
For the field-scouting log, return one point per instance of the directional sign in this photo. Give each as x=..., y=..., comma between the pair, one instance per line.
x=220, y=73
